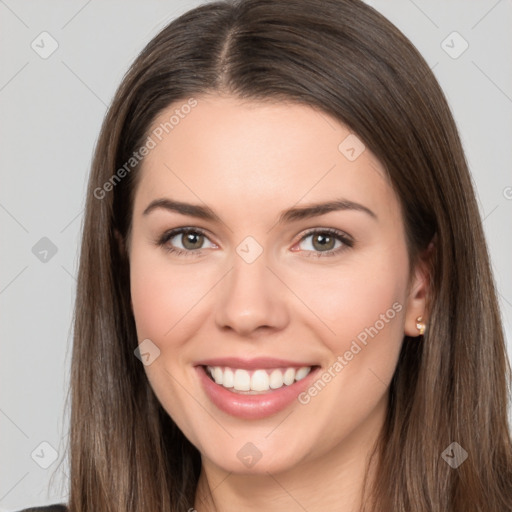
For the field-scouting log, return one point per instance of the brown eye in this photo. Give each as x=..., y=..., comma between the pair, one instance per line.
x=323, y=242
x=185, y=241
x=191, y=240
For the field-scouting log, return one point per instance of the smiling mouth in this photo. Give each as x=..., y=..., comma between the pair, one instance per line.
x=258, y=381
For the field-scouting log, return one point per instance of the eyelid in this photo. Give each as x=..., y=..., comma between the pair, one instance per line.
x=332, y=231
x=163, y=240
x=346, y=240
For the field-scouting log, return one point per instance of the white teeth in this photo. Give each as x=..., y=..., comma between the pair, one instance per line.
x=242, y=380
x=276, y=379
x=217, y=375
x=228, y=378
x=289, y=376
x=257, y=380
x=302, y=372
x=260, y=381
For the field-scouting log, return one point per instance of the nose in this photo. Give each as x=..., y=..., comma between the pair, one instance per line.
x=252, y=299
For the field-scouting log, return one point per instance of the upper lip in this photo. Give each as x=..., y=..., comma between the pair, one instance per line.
x=253, y=364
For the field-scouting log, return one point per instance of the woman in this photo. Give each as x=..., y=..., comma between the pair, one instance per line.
x=284, y=298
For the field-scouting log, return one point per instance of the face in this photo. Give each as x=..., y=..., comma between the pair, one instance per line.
x=267, y=249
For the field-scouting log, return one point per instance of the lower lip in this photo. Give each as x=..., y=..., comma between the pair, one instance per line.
x=253, y=407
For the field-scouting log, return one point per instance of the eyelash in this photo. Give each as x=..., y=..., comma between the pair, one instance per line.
x=339, y=235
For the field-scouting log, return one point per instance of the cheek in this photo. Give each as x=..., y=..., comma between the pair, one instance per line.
x=361, y=307
x=364, y=310
x=163, y=296
x=366, y=293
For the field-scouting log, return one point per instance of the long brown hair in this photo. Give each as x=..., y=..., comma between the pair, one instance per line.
x=343, y=57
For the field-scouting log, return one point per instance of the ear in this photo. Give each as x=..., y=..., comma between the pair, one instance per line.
x=419, y=289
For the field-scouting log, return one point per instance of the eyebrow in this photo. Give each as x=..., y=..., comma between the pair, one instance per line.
x=290, y=215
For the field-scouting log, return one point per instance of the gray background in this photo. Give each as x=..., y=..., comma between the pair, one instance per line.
x=51, y=110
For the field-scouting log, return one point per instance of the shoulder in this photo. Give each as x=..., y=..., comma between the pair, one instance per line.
x=47, y=508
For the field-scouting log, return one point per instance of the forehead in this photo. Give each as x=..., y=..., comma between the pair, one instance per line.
x=223, y=148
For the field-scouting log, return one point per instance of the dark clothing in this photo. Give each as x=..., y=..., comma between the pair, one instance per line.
x=48, y=508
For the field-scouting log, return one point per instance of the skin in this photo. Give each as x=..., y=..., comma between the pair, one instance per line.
x=248, y=162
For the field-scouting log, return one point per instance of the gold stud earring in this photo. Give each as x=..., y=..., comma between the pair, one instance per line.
x=420, y=325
